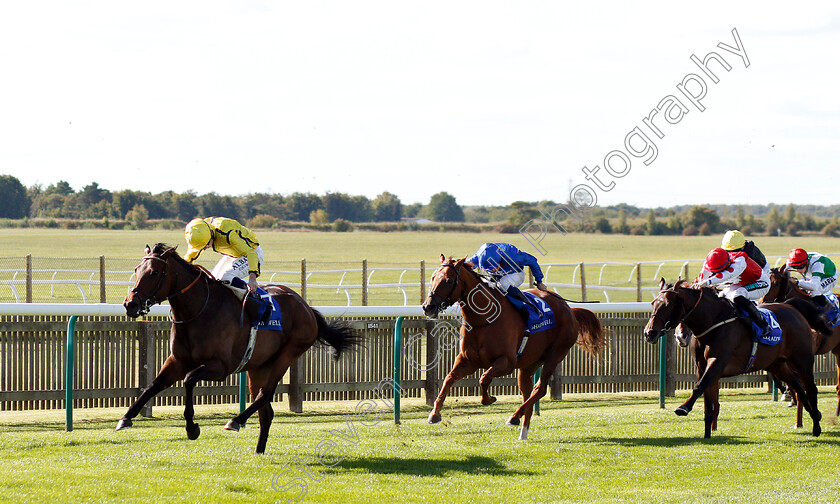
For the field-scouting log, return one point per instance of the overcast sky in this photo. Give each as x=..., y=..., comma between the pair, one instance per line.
x=492, y=102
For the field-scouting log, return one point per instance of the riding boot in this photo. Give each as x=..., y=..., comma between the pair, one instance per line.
x=755, y=315
x=518, y=294
x=826, y=307
x=257, y=308
x=820, y=300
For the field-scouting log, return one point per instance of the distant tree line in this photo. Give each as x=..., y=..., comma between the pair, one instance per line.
x=340, y=210
x=61, y=201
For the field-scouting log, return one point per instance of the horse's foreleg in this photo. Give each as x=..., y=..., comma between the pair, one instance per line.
x=170, y=372
x=500, y=367
x=461, y=368
x=209, y=371
x=711, y=408
x=714, y=368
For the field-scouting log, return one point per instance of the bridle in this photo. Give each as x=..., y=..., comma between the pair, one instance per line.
x=445, y=301
x=668, y=324
x=150, y=299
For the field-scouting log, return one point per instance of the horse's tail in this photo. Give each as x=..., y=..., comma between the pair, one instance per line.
x=812, y=313
x=591, y=332
x=338, y=335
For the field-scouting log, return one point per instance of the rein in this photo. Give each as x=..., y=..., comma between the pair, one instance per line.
x=150, y=298
x=689, y=312
x=667, y=326
x=447, y=302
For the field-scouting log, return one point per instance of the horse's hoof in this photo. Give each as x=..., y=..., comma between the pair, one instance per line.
x=123, y=424
x=488, y=400
x=681, y=411
x=434, y=418
x=232, y=425
x=523, y=434
x=817, y=431
x=512, y=421
x=193, y=434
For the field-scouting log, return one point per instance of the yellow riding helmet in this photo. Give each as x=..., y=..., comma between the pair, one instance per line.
x=733, y=240
x=198, y=233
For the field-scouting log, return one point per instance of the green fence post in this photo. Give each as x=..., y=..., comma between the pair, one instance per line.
x=536, y=379
x=663, y=357
x=243, y=390
x=397, y=366
x=68, y=376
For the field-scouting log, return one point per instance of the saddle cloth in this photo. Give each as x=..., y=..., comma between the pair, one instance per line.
x=275, y=323
x=537, y=320
x=832, y=310
x=775, y=336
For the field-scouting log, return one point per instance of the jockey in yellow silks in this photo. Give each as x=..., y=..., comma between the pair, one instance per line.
x=242, y=254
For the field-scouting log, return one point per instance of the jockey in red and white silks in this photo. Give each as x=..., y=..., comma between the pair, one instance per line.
x=742, y=279
x=737, y=273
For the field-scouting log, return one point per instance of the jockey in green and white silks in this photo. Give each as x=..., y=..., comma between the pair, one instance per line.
x=819, y=274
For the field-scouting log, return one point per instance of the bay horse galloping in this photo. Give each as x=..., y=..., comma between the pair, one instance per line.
x=722, y=345
x=491, y=332
x=784, y=289
x=208, y=340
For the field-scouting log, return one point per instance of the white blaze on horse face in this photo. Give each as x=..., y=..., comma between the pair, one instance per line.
x=682, y=334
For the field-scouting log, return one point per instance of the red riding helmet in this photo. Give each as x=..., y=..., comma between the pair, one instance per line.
x=797, y=258
x=717, y=260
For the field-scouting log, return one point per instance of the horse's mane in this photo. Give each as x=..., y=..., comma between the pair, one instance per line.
x=164, y=250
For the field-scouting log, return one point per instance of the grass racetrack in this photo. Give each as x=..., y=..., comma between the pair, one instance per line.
x=585, y=448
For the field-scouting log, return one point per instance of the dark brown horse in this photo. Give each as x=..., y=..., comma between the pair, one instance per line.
x=784, y=289
x=492, y=331
x=209, y=342
x=722, y=344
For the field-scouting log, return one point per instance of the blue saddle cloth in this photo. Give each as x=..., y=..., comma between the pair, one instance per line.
x=275, y=323
x=537, y=320
x=832, y=311
x=775, y=336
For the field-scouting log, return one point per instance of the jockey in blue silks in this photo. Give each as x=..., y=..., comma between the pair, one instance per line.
x=506, y=266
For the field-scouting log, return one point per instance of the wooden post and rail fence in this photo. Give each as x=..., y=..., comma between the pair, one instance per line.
x=112, y=358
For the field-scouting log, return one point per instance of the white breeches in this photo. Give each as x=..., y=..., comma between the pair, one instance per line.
x=230, y=267
x=511, y=280
x=753, y=291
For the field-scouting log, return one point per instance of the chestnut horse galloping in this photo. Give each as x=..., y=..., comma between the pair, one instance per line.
x=207, y=341
x=722, y=344
x=490, y=337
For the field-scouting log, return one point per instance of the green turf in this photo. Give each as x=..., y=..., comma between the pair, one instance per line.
x=396, y=246
x=602, y=448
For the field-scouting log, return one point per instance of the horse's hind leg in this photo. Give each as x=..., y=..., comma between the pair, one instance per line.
x=461, y=368
x=256, y=378
x=525, y=380
x=209, y=371
x=836, y=353
x=170, y=372
x=805, y=390
x=541, y=388
x=263, y=394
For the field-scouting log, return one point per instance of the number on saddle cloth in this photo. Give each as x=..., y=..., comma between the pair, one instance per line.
x=775, y=336
x=537, y=321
